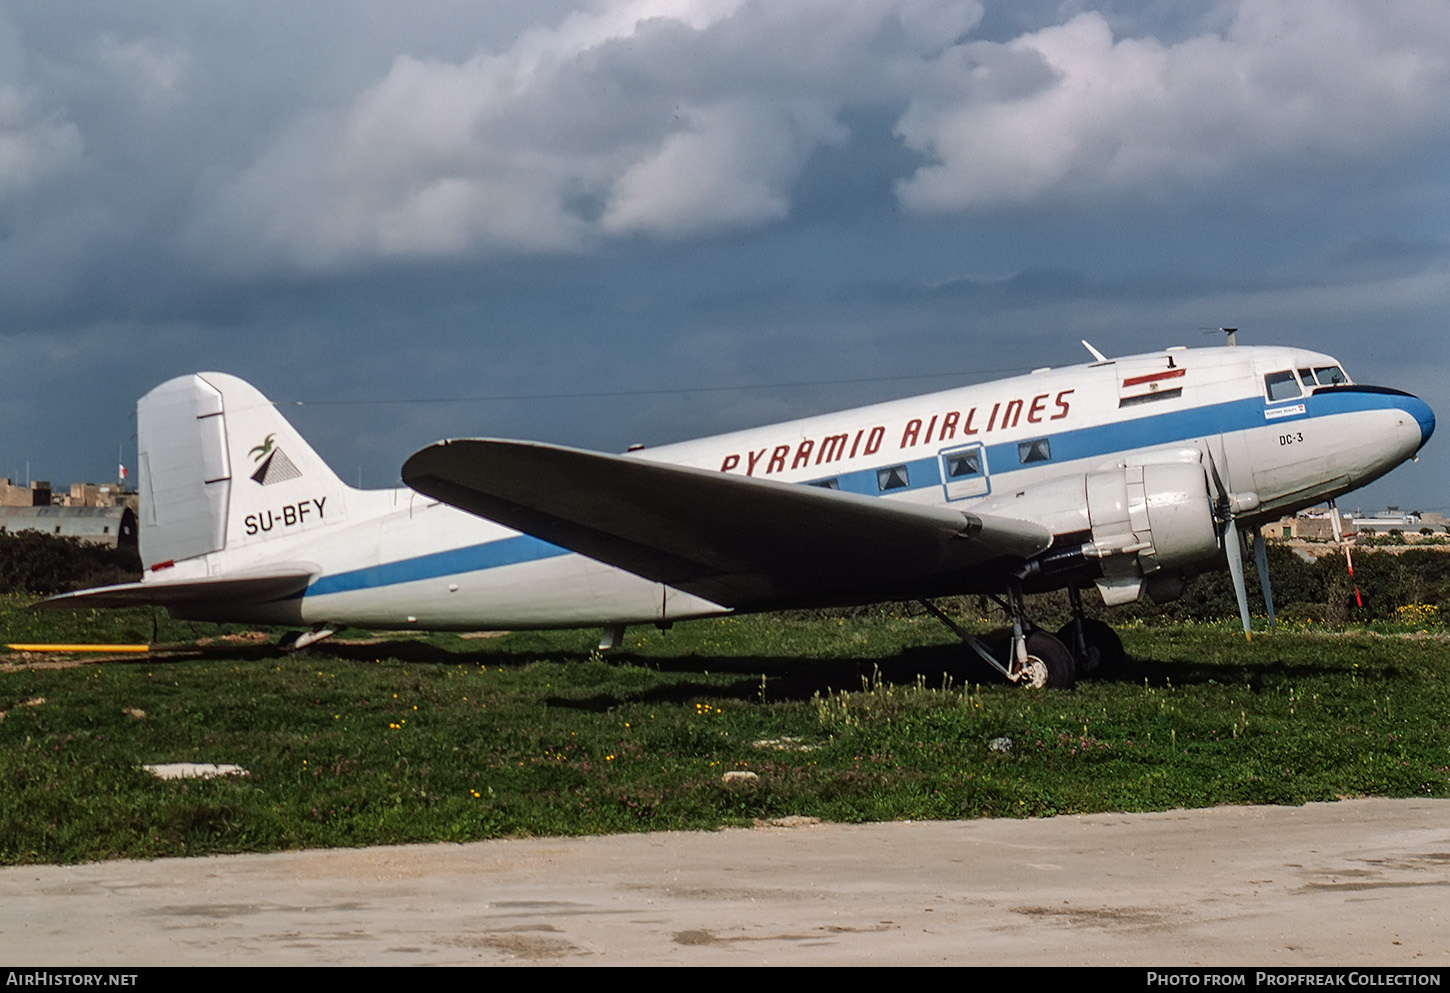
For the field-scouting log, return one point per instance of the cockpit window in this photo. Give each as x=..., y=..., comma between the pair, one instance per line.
x=1306, y=376
x=1330, y=375
x=1281, y=385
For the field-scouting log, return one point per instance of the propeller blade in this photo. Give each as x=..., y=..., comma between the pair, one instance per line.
x=1261, y=561
x=1233, y=545
x=1338, y=528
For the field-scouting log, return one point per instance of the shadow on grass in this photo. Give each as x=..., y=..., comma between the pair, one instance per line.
x=763, y=678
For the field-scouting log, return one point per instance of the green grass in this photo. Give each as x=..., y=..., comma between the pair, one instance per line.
x=868, y=718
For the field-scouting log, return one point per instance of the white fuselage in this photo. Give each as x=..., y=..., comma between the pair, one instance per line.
x=397, y=559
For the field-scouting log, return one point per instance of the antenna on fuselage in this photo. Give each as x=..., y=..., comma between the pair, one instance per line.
x=1231, y=333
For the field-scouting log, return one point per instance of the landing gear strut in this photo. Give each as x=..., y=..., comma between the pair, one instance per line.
x=1033, y=658
x=1095, y=647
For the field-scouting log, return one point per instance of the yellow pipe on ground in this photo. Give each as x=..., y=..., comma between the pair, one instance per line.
x=79, y=648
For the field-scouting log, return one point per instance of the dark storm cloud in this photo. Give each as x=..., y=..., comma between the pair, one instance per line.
x=377, y=202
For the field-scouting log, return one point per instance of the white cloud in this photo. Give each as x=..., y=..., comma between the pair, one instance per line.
x=1071, y=113
x=673, y=119
x=154, y=70
x=661, y=118
x=731, y=168
x=34, y=143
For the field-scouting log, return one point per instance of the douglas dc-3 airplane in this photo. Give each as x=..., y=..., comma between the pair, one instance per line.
x=1128, y=474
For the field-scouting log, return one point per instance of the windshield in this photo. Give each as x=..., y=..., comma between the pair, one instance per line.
x=1322, y=375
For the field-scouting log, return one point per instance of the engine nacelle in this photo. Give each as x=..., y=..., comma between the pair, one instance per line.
x=1134, y=528
x=1152, y=525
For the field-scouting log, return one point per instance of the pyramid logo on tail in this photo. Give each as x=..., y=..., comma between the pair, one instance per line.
x=275, y=466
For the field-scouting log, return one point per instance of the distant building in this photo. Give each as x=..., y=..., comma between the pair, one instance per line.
x=1315, y=525
x=112, y=526
x=1387, y=520
x=1308, y=525
x=37, y=494
x=98, y=495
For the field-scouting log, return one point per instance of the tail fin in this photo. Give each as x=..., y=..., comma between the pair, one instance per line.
x=222, y=470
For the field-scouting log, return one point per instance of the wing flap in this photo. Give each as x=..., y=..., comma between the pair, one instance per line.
x=737, y=541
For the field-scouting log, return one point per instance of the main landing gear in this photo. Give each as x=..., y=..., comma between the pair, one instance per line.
x=1038, y=659
x=1096, y=647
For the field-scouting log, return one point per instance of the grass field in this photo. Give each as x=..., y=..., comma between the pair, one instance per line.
x=395, y=738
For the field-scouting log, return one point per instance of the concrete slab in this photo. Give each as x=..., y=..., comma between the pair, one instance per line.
x=1361, y=882
x=194, y=770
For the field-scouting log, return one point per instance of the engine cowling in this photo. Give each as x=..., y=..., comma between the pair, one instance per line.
x=1133, y=528
x=1152, y=526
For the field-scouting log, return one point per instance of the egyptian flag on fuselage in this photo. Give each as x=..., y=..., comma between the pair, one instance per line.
x=1162, y=385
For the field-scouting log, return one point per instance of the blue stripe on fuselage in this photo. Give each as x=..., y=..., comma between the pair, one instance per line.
x=474, y=558
x=1097, y=441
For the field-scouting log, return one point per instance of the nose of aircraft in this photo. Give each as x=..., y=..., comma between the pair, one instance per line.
x=1423, y=415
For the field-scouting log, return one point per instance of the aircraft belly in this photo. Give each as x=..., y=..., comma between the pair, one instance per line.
x=281, y=613
x=563, y=591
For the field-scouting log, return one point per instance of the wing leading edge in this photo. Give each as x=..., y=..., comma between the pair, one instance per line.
x=737, y=541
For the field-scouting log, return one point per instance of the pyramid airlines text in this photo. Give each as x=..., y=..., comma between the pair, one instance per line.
x=917, y=431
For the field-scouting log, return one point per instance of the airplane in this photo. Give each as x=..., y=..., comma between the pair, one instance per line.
x=1129, y=475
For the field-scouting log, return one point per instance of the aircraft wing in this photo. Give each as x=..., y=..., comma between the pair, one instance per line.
x=276, y=584
x=737, y=541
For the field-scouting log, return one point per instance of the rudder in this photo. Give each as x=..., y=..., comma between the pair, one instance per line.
x=220, y=470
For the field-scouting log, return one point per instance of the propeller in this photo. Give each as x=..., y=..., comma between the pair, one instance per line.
x=1338, y=529
x=1261, y=561
x=1233, y=544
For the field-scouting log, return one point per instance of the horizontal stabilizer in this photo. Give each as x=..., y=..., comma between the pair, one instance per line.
x=737, y=541
x=240, y=590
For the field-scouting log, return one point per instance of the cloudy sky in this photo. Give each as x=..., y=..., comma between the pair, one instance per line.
x=603, y=222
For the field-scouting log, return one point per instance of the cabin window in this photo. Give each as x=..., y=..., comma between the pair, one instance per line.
x=1036, y=450
x=964, y=472
x=827, y=484
x=1281, y=386
x=964, y=465
x=893, y=478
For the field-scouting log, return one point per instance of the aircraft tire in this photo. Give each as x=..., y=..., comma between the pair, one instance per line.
x=1054, y=656
x=1105, y=655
